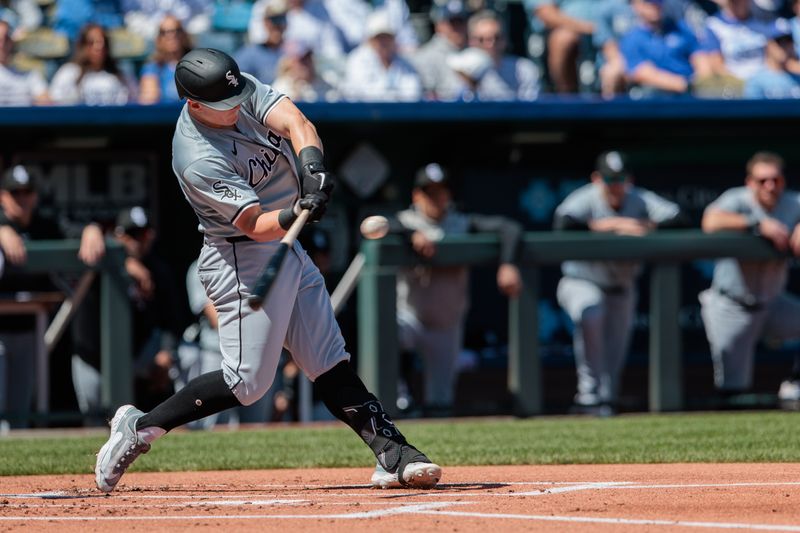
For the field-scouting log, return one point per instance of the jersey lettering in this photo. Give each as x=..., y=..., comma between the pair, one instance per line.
x=225, y=192
x=259, y=167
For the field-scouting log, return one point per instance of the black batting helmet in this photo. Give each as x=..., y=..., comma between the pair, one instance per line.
x=212, y=78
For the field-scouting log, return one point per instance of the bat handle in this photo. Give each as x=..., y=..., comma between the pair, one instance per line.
x=296, y=227
x=270, y=272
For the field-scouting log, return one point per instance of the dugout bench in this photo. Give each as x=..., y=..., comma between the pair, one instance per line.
x=665, y=250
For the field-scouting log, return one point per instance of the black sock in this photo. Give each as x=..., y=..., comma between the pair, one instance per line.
x=348, y=399
x=204, y=395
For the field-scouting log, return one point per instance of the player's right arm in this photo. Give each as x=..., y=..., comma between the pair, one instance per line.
x=260, y=225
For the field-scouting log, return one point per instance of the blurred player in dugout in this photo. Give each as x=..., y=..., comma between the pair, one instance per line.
x=747, y=301
x=21, y=221
x=600, y=296
x=432, y=301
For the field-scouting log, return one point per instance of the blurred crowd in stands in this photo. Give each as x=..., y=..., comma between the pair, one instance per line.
x=116, y=52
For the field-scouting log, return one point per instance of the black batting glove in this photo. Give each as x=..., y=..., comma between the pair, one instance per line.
x=316, y=203
x=313, y=176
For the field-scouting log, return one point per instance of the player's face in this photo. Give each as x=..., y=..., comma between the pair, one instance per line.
x=18, y=205
x=214, y=118
x=649, y=12
x=767, y=183
x=433, y=201
x=613, y=190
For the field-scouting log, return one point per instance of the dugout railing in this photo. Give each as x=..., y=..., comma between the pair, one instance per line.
x=61, y=256
x=664, y=250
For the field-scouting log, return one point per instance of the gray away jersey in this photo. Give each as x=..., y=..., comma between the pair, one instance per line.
x=754, y=280
x=586, y=204
x=222, y=172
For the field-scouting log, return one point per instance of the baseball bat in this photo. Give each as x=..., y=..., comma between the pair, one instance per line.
x=270, y=272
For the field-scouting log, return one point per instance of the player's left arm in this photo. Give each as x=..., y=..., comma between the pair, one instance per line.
x=316, y=182
x=509, y=279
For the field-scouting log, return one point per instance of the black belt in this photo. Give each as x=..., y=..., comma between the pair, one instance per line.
x=749, y=303
x=238, y=238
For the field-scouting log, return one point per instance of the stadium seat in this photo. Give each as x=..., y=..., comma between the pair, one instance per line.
x=44, y=43
x=231, y=15
x=126, y=44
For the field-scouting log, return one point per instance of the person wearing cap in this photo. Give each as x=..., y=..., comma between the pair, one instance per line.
x=600, y=296
x=747, y=300
x=251, y=166
x=155, y=320
x=662, y=56
x=18, y=88
x=261, y=59
x=375, y=72
x=21, y=221
x=511, y=77
x=777, y=79
x=449, y=37
x=432, y=302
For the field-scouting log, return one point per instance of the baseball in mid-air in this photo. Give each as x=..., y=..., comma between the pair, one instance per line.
x=374, y=227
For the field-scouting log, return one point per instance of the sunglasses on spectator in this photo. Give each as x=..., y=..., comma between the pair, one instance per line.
x=489, y=38
x=762, y=181
x=168, y=31
x=277, y=20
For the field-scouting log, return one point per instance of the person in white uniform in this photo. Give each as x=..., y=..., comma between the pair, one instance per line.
x=248, y=162
x=747, y=299
x=600, y=296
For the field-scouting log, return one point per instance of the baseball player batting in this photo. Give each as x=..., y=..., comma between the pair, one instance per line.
x=234, y=156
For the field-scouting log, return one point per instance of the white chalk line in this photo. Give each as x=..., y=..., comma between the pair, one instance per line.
x=379, y=513
x=621, y=521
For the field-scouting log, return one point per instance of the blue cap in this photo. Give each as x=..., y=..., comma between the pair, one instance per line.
x=780, y=28
x=448, y=10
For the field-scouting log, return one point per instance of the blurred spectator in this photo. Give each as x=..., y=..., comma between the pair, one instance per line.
x=351, y=15
x=155, y=316
x=747, y=299
x=22, y=15
x=157, y=81
x=736, y=39
x=72, y=16
x=298, y=78
x=794, y=22
x=511, y=77
x=18, y=88
x=432, y=301
x=20, y=222
x=375, y=72
x=615, y=19
x=471, y=65
x=567, y=22
x=662, y=56
x=450, y=36
x=143, y=17
x=775, y=80
x=92, y=76
x=600, y=296
x=261, y=60
x=310, y=22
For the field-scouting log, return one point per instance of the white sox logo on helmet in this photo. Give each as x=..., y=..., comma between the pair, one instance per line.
x=231, y=79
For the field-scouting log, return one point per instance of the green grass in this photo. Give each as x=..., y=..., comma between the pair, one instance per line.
x=725, y=437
